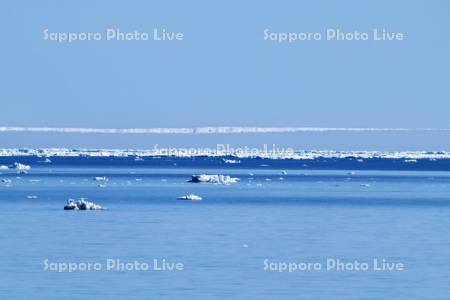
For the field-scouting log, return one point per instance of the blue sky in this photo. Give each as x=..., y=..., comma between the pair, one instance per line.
x=223, y=72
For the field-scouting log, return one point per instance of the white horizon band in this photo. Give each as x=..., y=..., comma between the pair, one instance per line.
x=209, y=130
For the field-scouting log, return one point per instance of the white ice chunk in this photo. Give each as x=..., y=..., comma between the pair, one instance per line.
x=231, y=161
x=191, y=197
x=81, y=204
x=220, y=179
x=20, y=166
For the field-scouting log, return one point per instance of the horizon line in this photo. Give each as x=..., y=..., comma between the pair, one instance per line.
x=210, y=130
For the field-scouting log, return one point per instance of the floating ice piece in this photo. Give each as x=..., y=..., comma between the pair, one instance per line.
x=221, y=179
x=351, y=173
x=138, y=158
x=231, y=161
x=6, y=181
x=283, y=172
x=20, y=166
x=365, y=185
x=3, y=167
x=410, y=160
x=31, y=197
x=100, y=178
x=81, y=204
x=191, y=197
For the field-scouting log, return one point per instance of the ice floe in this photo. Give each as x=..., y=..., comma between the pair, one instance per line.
x=81, y=204
x=100, y=178
x=410, y=160
x=190, y=197
x=226, y=154
x=231, y=161
x=21, y=167
x=220, y=179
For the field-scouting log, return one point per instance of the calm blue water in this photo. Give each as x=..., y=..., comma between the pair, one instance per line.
x=223, y=240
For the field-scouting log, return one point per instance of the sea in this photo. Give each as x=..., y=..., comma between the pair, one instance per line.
x=288, y=229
